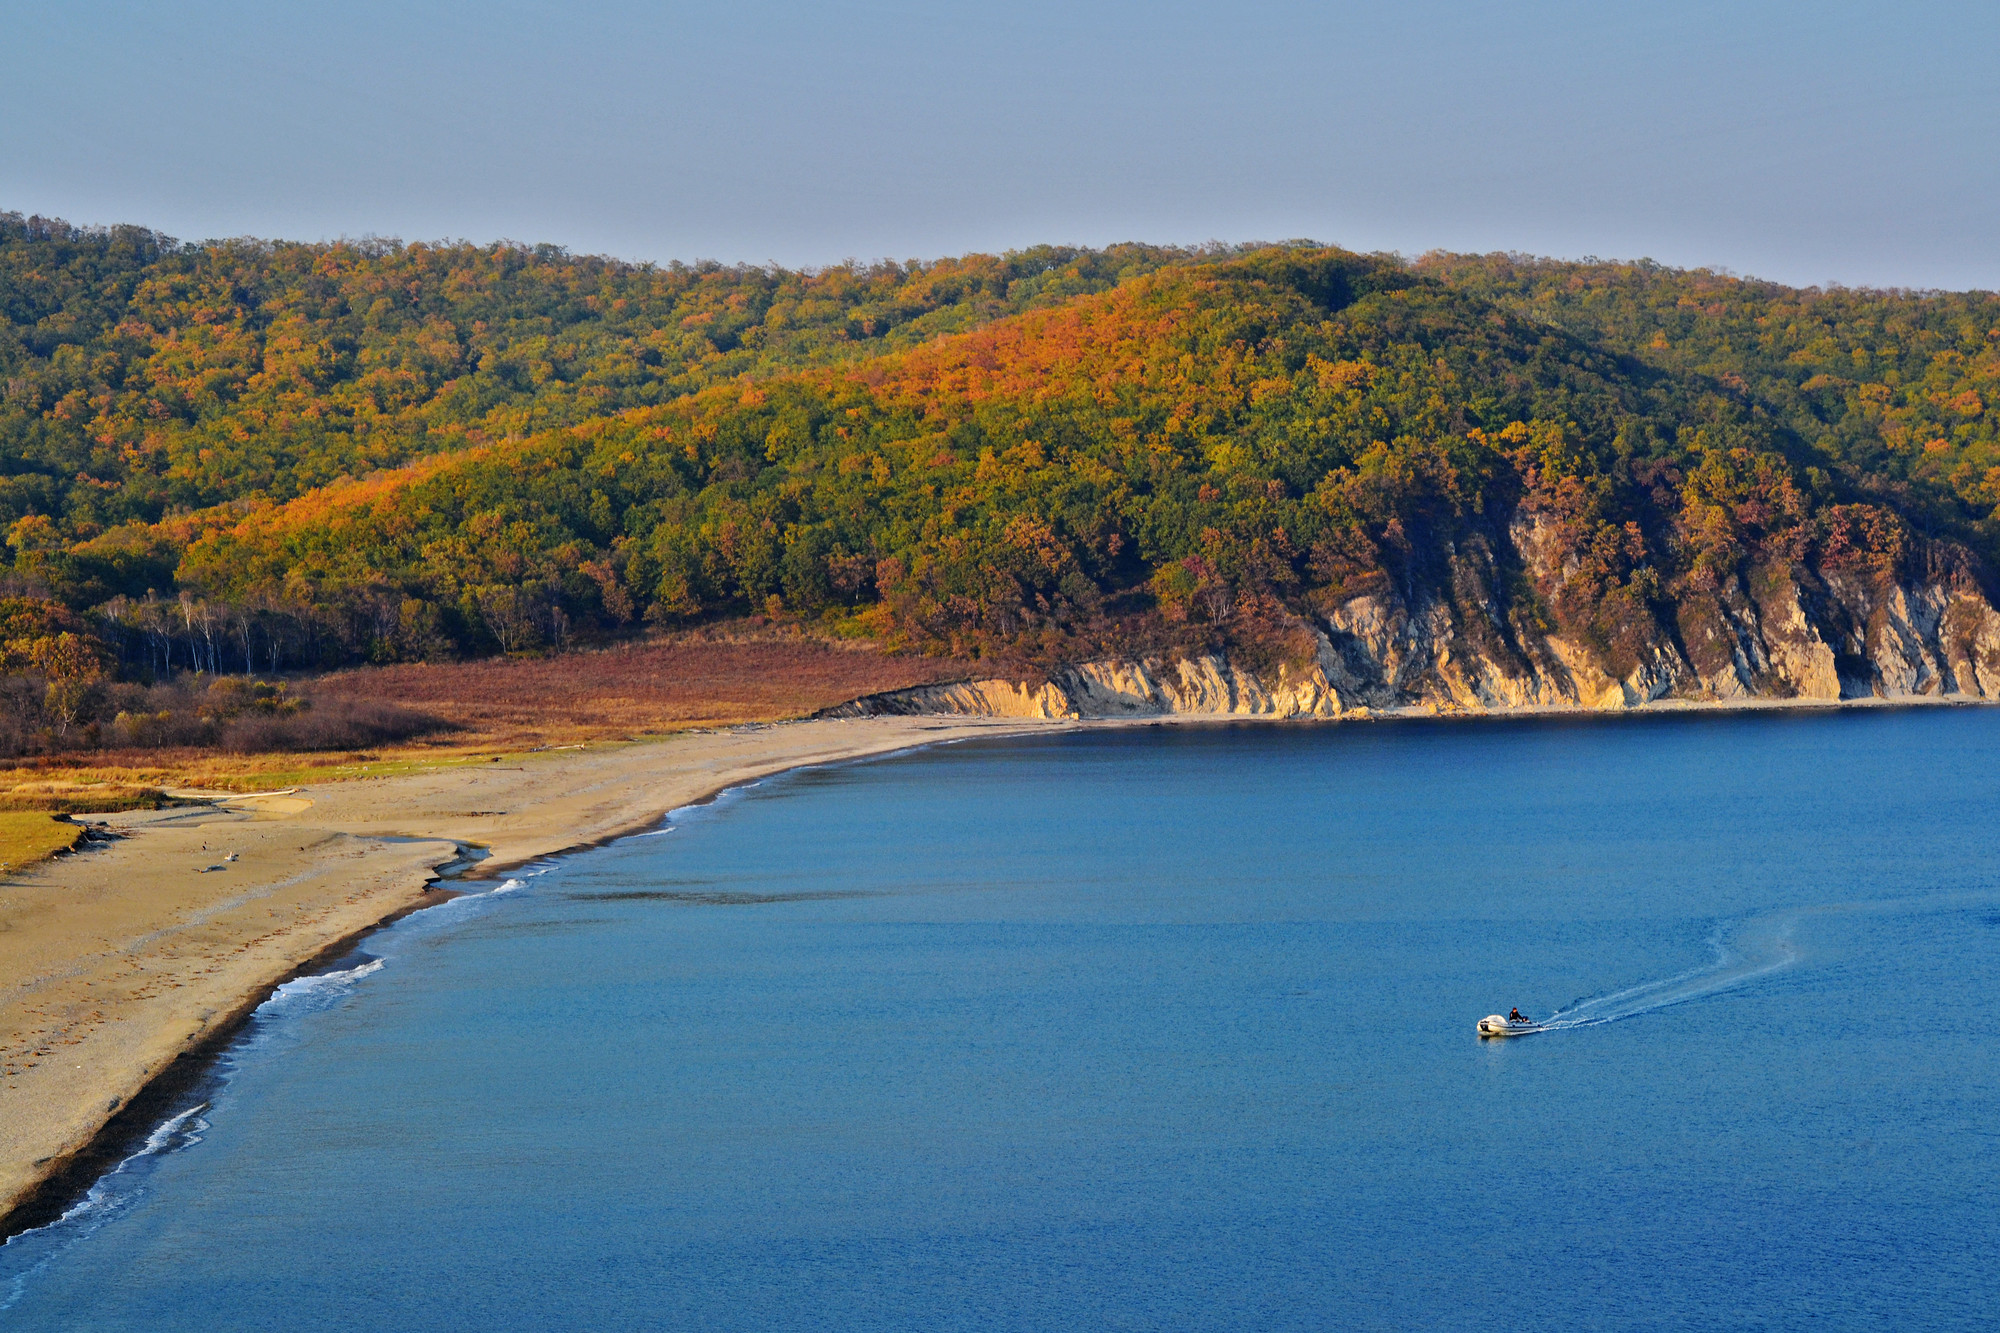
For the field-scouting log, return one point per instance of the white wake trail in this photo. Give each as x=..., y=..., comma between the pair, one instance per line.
x=1746, y=951
x=1757, y=948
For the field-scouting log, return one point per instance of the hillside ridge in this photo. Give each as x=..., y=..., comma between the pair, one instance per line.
x=1456, y=478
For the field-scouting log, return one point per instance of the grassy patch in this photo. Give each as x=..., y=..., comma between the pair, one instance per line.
x=336, y=769
x=27, y=837
x=76, y=798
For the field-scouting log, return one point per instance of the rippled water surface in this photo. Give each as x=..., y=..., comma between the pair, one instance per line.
x=1168, y=1028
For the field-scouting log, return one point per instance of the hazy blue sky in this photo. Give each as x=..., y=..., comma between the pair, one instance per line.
x=1804, y=142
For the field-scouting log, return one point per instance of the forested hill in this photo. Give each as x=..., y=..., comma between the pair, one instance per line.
x=145, y=377
x=289, y=454
x=1891, y=388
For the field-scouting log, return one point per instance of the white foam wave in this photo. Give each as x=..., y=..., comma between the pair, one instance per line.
x=113, y=1190
x=180, y=1131
x=106, y=1197
x=519, y=879
x=321, y=981
x=175, y=1133
x=321, y=990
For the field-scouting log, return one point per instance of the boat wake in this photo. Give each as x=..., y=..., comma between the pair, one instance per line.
x=1745, y=951
x=1755, y=948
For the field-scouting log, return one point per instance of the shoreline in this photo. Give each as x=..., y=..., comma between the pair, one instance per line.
x=144, y=1053
x=1657, y=708
x=1676, y=707
x=1524, y=712
x=121, y=1136
x=124, y=972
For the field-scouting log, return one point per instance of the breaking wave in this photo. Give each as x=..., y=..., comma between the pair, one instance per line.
x=28, y=1253
x=520, y=880
x=112, y=1193
x=466, y=901
x=108, y=1197
x=303, y=995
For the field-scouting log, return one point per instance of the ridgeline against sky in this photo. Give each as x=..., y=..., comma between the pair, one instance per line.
x=1846, y=143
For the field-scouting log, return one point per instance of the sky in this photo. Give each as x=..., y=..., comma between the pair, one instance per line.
x=1806, y=143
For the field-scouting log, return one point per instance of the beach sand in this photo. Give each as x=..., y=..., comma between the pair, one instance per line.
x=121, y=958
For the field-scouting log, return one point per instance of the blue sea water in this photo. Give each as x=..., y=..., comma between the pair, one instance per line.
x=1153, y=1029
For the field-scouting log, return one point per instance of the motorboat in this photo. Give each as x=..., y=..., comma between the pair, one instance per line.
x=1499, y=1025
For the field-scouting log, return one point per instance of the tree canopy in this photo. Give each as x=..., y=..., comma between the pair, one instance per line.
x=261, y=455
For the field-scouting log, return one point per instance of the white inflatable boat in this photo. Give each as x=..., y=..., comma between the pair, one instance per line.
x=1497, y=1025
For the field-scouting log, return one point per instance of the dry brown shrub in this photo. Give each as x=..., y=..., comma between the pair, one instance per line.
x=732, y=674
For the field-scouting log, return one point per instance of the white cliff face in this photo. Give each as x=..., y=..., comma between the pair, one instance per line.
x=1898, y=633
x=979, y=698
x=1797, y=651
x=1723, y=637
x=1208, y=685
x=1386, y=657
x=1774, y=633
x=1590, y=685
x=1969, y=634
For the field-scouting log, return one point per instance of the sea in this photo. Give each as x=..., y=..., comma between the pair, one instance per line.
x=1164, y=1027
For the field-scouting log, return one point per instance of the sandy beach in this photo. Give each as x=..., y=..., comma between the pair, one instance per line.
x=121, y=958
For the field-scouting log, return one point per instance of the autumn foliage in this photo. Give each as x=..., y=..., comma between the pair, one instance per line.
x=253, y=457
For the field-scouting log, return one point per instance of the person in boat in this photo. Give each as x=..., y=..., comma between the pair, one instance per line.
x=1515, y=1017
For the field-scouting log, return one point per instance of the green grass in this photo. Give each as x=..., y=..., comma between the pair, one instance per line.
x=30, y=836
x=267, y=779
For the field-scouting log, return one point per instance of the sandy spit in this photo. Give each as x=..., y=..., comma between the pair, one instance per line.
x=121, y=958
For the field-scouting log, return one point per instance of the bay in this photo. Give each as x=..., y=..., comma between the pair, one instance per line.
x=1166, y=1027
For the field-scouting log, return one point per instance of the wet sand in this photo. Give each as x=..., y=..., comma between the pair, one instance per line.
x=119, y=959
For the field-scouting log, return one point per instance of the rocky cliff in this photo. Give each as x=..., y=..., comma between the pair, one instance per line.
x=1480, y=639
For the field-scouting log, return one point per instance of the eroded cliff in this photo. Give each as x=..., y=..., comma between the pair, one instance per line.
x=1481, y=638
